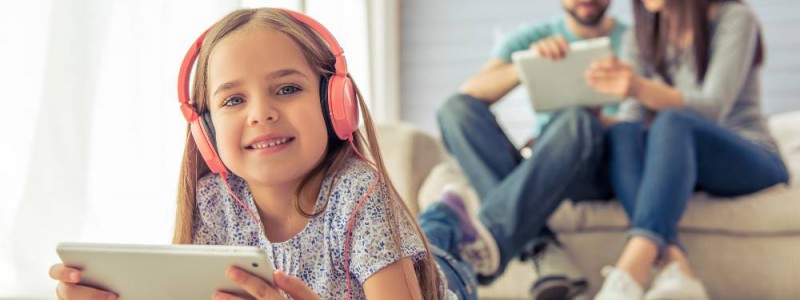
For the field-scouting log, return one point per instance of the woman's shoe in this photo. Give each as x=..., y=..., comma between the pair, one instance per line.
x=619, y=285
x=672, y=283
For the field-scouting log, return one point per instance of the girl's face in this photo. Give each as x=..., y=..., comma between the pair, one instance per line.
x=265, y=106
x=653, y=6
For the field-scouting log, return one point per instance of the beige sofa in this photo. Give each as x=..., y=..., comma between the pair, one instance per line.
x=742, y=248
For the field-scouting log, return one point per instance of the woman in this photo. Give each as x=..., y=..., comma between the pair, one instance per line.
x=694, y=121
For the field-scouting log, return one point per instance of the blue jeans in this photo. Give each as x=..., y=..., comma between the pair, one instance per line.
x=440, y=225
x=654, y=172
x=518, y=196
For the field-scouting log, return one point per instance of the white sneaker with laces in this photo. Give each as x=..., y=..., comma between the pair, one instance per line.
x=672, y=283
x=619, y=285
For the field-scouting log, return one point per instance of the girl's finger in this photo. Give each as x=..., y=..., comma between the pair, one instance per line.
x=74, y=291
x=294, y=286
x=253, y=285
x=62, y=273
x=225, y=296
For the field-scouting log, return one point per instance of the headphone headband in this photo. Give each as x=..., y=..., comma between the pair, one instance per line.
x=190, y=114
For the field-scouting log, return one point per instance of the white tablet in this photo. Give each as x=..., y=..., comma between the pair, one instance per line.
x=163, y=271
x=554, y=85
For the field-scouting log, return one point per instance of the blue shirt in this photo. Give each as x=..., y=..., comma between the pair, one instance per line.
x=523, y=37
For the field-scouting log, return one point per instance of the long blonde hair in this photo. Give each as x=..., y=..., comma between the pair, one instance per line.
x=319, y=56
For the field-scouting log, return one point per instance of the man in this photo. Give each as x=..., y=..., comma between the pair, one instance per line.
x=567, y=158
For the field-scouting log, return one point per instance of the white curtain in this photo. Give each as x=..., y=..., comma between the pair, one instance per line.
x=90, y=131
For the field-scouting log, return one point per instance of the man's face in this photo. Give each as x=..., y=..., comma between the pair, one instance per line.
x=586, y=12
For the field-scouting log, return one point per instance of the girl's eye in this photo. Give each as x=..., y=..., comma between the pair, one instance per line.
x=289, y=89
x=232, y=101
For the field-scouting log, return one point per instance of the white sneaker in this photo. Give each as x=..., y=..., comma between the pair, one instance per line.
x=619, y=285
x=672, y=283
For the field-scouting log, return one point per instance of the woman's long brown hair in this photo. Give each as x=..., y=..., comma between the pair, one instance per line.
x=655, y=32
x=320, y=57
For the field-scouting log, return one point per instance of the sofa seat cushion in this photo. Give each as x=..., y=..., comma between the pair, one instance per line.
x=772, y=211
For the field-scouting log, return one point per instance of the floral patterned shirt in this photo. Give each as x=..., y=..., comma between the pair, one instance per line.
x=316, y=254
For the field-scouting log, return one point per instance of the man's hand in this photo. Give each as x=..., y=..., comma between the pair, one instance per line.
x=554, y=47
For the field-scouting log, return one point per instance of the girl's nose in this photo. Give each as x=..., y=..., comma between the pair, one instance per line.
x=263, y=113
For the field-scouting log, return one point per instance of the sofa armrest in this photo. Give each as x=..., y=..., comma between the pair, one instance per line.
x=409, y=154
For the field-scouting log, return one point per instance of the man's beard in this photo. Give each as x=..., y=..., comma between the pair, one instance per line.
x=591, y=21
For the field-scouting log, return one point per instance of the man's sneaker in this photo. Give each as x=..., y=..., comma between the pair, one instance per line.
x=557, y=275
x=619, y=285
x=478, y=247
x=672, y=283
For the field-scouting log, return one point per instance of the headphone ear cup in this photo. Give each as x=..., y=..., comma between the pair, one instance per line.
x=208, y=127
x=203, y=139
x=323, y=103
x=343, y=106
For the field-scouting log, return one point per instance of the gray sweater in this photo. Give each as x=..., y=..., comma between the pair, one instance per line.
x=730, y=94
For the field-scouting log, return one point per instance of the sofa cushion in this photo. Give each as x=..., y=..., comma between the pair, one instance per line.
x=786, y=130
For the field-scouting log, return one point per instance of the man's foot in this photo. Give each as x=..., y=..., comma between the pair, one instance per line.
x=478, y=247
x=672, y=283
x=557, y=275
x=619, y=285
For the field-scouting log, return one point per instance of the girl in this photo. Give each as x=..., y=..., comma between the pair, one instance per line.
x=693, y=65
x=273, y=99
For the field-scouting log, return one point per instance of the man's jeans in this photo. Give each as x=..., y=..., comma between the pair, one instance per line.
x=654, y=172
x=518, y=196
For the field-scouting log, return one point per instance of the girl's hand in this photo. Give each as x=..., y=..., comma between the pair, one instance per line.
x=611, y=76
x=262, y=290
x=68, y=287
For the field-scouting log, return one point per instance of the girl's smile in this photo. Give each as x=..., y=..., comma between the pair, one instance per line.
x=269, y=143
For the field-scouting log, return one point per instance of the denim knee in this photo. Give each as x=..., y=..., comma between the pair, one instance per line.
x=623, y=131
x=459, y=109
x=573, y=115
x=574, y=127
x=673, y=118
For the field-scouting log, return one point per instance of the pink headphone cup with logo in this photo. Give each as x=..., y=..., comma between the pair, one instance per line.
x=341, y=111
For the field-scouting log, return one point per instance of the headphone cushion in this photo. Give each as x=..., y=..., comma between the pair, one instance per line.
x=343, y=106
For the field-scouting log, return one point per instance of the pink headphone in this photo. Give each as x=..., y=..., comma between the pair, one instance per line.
x=337, y=96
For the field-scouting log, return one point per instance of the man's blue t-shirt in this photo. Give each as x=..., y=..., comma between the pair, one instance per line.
x=523, y=37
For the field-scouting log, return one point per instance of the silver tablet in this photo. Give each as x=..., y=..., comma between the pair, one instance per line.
x=163, y=271
x=554, y=85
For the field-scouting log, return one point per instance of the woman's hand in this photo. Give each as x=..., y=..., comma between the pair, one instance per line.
x=262, y=290
x=68, y=287
x=611, y=76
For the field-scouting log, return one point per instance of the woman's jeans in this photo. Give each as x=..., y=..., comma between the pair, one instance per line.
x=655, y=171
x=518, y=196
